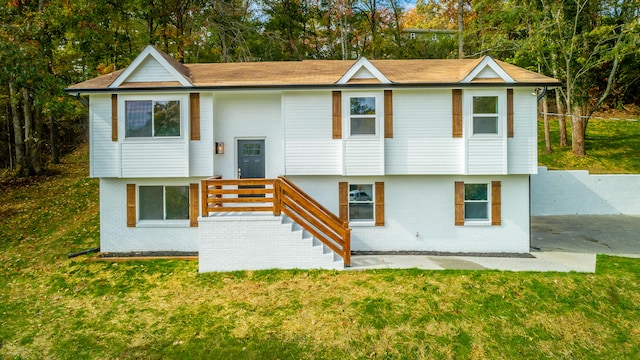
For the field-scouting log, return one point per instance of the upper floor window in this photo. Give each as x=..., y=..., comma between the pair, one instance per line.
x=362, y=119
x=485, y=115
x=147, y=118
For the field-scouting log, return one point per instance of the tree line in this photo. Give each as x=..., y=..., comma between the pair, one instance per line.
x=590, y=45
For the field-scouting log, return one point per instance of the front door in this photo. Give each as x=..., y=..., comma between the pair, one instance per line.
x=251, y=160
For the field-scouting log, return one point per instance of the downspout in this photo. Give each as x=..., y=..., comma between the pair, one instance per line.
x=531, y=247
x=86, y=104
x=542, y=94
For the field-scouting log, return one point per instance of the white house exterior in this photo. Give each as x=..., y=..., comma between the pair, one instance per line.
x=417, y=155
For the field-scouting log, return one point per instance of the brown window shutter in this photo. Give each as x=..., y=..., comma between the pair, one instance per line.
x=194, y=205
x=379, y=205
x=456, y=113
x=114, y=117
x=131, y=205
x=194, y=115
x=459, y=203
x=388, y=114
x=337, y=114
x=496, y=203
x=510, y=113
x=343, y=201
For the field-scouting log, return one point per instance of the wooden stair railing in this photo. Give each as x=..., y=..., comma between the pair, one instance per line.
x=278, y=196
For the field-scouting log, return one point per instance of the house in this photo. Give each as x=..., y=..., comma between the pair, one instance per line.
x=430, y=34
x=296, y=164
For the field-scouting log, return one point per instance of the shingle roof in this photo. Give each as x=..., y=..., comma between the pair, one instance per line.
x=320, y=73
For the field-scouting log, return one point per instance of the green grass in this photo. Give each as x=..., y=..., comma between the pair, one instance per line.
x=54, y=307
x=612, y=147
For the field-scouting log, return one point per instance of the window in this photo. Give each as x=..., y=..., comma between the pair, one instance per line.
x=361, y=202
x=148, y=118
x=163, y=203
x=476, y=202
x=362, y=115
x=485, y=115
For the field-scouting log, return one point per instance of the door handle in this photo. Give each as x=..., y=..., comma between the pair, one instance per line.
x=239, y=173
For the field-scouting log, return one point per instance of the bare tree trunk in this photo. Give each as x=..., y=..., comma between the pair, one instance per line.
x=577, y=132
x=460, y=28
x=562, y=120
x=545, y=111
x=31, y=139
x=17, y=131
x=53, y=138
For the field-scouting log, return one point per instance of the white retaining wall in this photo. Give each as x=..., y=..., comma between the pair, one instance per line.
x=561, y=192
x=256, y=242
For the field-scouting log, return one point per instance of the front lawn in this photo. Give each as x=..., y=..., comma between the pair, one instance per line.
x=54, y=307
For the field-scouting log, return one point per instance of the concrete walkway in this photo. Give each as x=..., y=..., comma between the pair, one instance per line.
x=558, y=243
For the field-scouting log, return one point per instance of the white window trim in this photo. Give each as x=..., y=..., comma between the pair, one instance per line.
x=478, y=222
x=502, y=112
x=346, y=114
x=363, y=222
x=151, y=223
x=184, y=116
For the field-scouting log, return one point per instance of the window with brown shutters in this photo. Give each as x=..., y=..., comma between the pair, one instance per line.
x=478, y=203
x=336, y=101
x=131, y=205
x=388, y=114
x=194, y=115
x=114, y=117
x=510, y=113
x=362, y=203
x=456, y=125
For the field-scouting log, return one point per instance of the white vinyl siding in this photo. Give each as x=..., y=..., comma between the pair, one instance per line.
x=364, y=157
x=364, y=154
x=523, y=147
x=422, y=142
x=486, y=156
x=155, y=159
x=309, y=147
x=201, y=152
x=103, y=151
x=150, y=70
x=486, y=153
x=248, y=115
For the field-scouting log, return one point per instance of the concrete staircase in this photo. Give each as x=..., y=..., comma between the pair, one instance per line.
x=249, y=241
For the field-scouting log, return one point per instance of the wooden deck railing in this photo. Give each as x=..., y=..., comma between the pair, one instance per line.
x=278, y=196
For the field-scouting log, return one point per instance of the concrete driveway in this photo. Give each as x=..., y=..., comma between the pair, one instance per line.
x=587, y=234
x=558, y=243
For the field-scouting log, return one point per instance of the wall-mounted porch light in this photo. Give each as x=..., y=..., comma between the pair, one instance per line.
x=219, y=148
